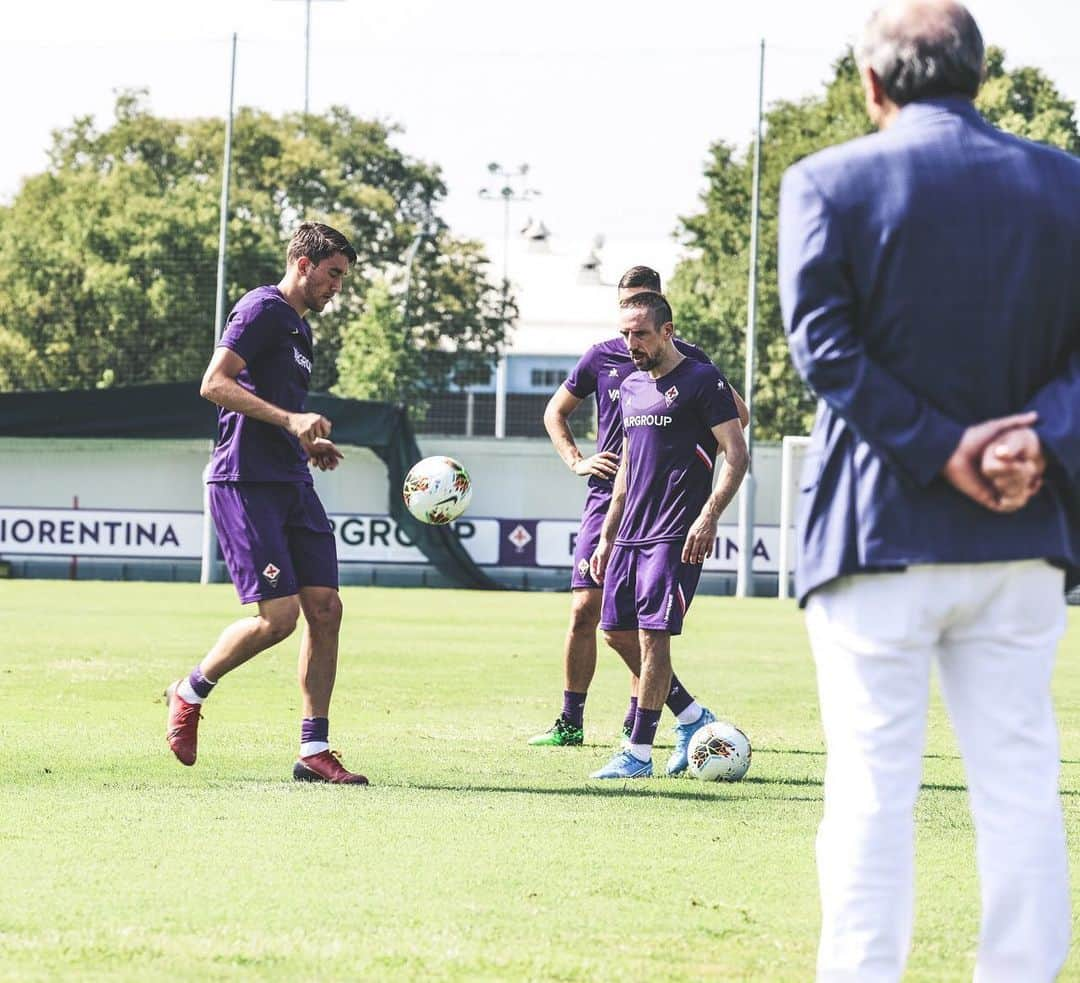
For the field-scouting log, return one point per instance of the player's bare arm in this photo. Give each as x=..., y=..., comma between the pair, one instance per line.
x=740, y=407
x=702, y=534
x=557, y=423
x=599, y=560
x=219, y=386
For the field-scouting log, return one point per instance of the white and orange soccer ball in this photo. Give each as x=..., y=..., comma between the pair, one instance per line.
x=437, y=490
x=719, y=752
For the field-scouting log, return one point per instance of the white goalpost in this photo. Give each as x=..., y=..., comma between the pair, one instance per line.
x=792, y=452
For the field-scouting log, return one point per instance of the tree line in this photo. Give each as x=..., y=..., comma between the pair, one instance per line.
x=108, y=258
x=709, y=290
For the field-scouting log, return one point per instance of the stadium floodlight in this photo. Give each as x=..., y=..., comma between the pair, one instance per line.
x=509, y=192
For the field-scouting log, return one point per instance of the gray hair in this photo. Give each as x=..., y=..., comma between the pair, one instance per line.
x=923, y=50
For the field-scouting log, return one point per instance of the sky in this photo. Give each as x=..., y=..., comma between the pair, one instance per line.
x=612, y=105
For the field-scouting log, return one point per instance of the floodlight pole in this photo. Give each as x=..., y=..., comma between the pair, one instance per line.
x=744, y=582
x=307, y=51
x=507, y=193
x=425, y=231
x=209, y=542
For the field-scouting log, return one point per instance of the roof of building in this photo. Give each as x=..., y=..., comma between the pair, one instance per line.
x=566, y=290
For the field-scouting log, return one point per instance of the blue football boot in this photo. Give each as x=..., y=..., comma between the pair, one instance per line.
x=678, y=761
x=624, y=765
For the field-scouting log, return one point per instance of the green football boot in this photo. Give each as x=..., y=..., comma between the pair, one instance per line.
x=559, y=734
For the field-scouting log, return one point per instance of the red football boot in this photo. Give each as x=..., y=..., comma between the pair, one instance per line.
x=183, y=732
x=325, y=766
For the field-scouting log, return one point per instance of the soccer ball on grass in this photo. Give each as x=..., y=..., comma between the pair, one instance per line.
x=437, y=490
x=719, y=752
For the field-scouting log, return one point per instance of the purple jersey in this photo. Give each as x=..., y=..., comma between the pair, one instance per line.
x=275, y=342
x=670, y=449
x=601, y=371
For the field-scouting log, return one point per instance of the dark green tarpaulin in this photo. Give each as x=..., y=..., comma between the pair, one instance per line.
x=175, y=410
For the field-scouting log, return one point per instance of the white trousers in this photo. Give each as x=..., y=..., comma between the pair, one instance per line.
x=993, y=631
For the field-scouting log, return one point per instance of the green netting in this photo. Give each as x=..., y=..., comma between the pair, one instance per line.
x=175, y=410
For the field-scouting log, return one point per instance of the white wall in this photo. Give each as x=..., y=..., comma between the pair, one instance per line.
x=512, y=478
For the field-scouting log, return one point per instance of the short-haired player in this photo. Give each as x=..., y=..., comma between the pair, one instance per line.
x=678, y=415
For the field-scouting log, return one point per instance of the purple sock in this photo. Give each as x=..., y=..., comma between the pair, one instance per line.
x=677, y=699
x=573, y=708
x=200, y=683
x=628, y=720
x=314, y=729
x=645, y=723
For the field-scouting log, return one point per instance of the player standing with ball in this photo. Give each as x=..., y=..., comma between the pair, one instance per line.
x=276, y=539
x=599, y=373
x=677, y=414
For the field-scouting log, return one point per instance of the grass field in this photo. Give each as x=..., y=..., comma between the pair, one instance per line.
x=473, y=857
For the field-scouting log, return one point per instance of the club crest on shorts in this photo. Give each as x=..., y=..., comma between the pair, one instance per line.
x=271, y=573
x=671, y=395
x=583, y=567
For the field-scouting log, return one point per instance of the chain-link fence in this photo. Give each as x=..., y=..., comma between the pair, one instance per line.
x=474, y=415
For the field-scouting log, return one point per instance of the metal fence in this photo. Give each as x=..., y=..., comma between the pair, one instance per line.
x=468, y=414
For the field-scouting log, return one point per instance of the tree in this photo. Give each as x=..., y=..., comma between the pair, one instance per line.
x=374, y=362
x=709, y=290
x=108, y=259
x=443, y=334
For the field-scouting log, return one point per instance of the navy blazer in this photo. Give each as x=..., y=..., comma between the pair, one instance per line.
x=930, y=280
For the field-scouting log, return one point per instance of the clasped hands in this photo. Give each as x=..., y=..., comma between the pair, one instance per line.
x=999, y=464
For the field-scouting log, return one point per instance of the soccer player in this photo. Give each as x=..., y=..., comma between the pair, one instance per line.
x=275, y=536
x=599, y=373
x=677, y=413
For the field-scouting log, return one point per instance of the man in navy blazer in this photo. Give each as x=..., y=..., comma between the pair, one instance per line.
x=930, y=285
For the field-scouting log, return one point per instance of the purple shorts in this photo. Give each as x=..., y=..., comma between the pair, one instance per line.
x=592, y=521
x=275, y=538
x=648, y=587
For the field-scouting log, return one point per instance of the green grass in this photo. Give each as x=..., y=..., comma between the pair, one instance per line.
x=474, y=857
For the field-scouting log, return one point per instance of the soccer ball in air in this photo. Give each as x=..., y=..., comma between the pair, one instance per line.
x=437, y=490
x=719, y=752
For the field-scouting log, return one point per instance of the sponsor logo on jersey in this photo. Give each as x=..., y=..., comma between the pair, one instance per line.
x=271, y=573
x=613, y=395
x=647, y=420
x=302, y=360
x=671, y=395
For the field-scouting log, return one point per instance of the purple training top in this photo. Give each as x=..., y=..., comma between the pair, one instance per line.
x=670, y=449
x=275, y=342
x=601, y=371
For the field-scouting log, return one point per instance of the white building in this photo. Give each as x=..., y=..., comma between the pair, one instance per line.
x=566, y=297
